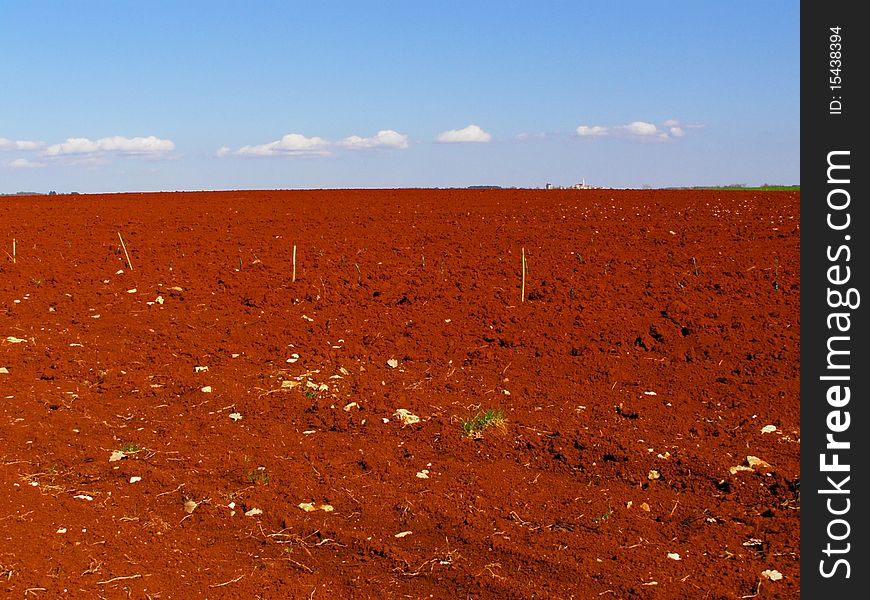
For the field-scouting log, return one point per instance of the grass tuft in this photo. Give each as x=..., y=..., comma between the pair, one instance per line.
x=492, y=417
x=130, y=448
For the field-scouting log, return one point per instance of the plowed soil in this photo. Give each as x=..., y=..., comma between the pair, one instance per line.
x=173, y=400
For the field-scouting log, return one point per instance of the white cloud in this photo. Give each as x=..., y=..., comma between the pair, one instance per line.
x=7, y=144
x=137, y=146
x=641, y=128
x=386, y=138
x=296, y=144
x=637, y=130
x=24, y=163
x=292, y=144
x=595, y=130
x=472, y=133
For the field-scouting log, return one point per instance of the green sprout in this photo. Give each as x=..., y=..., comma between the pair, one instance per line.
x=474, y=426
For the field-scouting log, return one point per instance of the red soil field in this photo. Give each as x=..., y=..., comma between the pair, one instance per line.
x=179, y=428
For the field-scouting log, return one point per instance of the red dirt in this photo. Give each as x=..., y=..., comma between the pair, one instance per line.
x=660, y=332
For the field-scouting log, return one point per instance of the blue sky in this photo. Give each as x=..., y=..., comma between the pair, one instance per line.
x=100, y=96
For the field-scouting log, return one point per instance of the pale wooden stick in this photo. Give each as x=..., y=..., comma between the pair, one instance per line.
x=14, y=254
x=122, y=578
x=523, y=299
x=294, y=262
x=129, y=264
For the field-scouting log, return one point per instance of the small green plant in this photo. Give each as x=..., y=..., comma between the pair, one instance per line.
x=258, y=477
x=37, y=281
x=310, y=394
x=491, y=417
x=607, y=514
x=129, y=448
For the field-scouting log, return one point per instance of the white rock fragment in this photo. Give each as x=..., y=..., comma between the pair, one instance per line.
x=132, y=291
x=159, y=300
x=673, y=556
x=311, y=507
x=392, y=363
x=116, y=455
x=236, y=416
x=754, y=461
x=653, y=475
x=402, y=534
x=253, y=512
x=190, y=506
x=350, y=406
x=736, y=469
x=4, y=371
x=772, y=574
x=307, y=318
x=119, y=272
x=14, y=340
x=406, y=417
x=200, y=369
x=84, y=497
x=293, y=358
x=61, y=530
x=206, y=389
x=424, y=474
x=135, y=479
x=768, y=429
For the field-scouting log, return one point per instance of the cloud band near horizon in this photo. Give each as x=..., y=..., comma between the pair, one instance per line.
x=297, y=144
x=636, y=130
x=471, y=134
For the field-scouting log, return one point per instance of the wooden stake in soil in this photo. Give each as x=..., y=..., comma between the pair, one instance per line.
x=129, y=264
x=523, y=290
x=14, y=259
x=294, y=262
